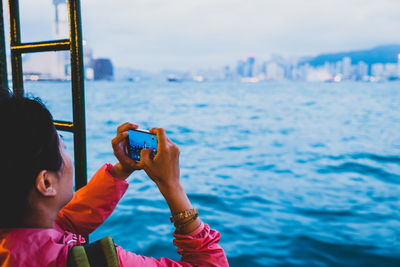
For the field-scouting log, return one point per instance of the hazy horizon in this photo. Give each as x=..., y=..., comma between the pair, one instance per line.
x=154, y=35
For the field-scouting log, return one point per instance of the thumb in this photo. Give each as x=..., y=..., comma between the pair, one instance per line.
x=145, y=157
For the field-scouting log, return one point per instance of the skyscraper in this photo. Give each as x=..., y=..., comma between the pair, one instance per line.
x=60, y=26
x=377, y=70
x=60, y=31
x=250, y=66
x=362, y=70
x=52, y=65
x=240, y=68
x=347, y=69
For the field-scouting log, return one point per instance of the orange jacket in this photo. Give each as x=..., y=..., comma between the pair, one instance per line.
x=88, y=209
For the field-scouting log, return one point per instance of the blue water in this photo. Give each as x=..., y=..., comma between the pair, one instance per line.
x=291, y=174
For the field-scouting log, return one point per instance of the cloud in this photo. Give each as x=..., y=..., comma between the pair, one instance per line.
x=156, y=34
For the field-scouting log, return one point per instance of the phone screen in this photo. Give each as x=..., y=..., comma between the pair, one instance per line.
x=139, y=139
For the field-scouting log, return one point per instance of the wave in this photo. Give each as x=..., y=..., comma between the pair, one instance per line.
x=325, y=253
x=363, y=155
x=377, y=158
x=362, y=169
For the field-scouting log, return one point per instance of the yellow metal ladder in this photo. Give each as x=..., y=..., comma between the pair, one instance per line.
x=74, y=45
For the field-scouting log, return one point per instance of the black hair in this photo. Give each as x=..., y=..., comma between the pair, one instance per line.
x=28, y=144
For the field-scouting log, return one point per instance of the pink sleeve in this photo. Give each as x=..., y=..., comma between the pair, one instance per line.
x=199, y=248
x=92, y=204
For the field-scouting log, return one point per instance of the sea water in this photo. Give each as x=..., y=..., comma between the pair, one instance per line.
x=290, y=174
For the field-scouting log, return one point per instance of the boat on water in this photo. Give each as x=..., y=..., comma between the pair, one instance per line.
x=173, y=78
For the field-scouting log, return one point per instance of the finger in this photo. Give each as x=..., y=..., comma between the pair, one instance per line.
x=119, y=145
x=175, y=149
x=161, y=143
x=126, y=126
x=119, y=138
x=122, y=125
x=145, y=157
x=153, y=130
x=161, y=136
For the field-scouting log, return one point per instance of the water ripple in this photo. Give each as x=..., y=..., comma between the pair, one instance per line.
x=353, y=167
x=334, y=254
x=291, y=174
x=377, y=158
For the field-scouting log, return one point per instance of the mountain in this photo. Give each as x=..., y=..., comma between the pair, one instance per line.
x=380, y=54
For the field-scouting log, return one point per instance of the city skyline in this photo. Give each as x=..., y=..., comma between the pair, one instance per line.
x=377, y=64
x=341, y=69
x=155, y=35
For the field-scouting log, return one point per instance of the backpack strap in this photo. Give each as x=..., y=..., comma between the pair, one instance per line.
x=77, y=257
x=101, y=253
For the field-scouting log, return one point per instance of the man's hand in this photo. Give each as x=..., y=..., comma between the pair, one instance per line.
x=164, y=168
x=164, y=171
x=126, y=165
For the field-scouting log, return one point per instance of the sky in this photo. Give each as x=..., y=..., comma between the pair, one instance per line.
x=205, y=34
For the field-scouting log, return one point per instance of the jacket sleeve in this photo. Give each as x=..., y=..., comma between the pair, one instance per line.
x=92, y=204
x=199, y=248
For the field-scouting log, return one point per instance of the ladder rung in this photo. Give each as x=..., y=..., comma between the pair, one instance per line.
x=56, y=45
x=64, y=126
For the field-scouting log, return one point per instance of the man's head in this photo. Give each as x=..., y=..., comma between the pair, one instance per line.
x=35, y=171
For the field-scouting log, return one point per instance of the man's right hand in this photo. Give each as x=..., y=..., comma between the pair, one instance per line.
x=164, y=168
x=164, y=171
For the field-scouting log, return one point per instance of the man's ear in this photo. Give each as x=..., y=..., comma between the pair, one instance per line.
x=45, y=184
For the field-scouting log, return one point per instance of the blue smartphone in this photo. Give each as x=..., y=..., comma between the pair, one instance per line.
x=139, y=139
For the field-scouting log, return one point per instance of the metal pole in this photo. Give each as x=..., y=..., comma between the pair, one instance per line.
x=3, y=56
x=15, y=39
x=78, y=93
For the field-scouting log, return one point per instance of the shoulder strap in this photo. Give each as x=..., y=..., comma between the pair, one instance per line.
x=77, y=257
x=101, y=253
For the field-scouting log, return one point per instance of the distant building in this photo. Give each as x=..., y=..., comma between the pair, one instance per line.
x=346, y=67
x=275, y=72
x=361, y=70
x=264, y=67
x=227, y=72
x=61, y=24
x=330, y=68
x=377, y=70
x=240, y=68
x=250, y=66
x=339, y=68
x=88, y=61
x=318, y=74
x=51, y=65
x=103, y=69
x=390, y=71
